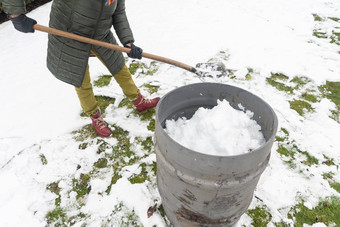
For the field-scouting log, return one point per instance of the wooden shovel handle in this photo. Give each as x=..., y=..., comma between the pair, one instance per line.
x=110, y=46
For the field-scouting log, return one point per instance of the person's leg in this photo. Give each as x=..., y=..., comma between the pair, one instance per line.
x=130, y=90
x=85, y=94
x=89, y=105
x=126, y=83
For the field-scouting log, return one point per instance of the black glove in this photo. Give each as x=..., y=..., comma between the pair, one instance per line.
x=136, y=52
x=23, y=23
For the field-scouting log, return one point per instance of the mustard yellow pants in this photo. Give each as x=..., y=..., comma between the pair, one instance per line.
x=85, y=93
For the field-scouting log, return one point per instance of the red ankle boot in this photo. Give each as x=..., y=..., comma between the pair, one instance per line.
x=143, y=104
x=99, y=125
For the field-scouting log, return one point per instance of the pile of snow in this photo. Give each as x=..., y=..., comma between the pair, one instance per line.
x=220, y=131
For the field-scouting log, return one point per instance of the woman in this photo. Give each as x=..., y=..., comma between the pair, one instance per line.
x=68, y=59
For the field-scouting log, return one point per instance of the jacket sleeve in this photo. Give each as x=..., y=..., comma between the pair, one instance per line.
x=14, y=6
x=121, y=24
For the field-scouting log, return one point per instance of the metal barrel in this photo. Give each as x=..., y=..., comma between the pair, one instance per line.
x=205, y=190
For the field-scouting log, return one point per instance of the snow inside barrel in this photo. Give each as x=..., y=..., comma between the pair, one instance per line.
x=198, y=185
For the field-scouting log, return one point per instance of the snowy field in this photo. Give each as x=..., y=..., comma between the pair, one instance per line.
x=284, y=51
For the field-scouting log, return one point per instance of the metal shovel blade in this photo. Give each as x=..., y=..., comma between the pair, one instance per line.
x=211, y=69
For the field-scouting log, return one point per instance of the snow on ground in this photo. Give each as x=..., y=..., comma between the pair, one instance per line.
x=39, y=112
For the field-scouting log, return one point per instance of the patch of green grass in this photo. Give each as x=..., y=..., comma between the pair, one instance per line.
x=311, y=160
x=122, y=149
x=334, y=19
x=103, y=146
x=83, y=146
x=289, y=149
x=114, y=180
x=335, y=115
x=43, y=159
x=101, y=163
x=154, y=168
x=76, y=219
x=260, y=215
x=335, y=185
x=324, y=33
x=328, y=175
x=81, y=186
x=231, y=73
x=327, y=212
x=279, y=139
x=149, y=115
x=127, y=103
x=104, y=102
x=151, y=88
x=122, y=154
x=320, y=34
x=54, y=188
x=284, y=137
x=152, y=69
x=279, y=76
x=103, y=81
x=248, y=75
x=300, y=81
x=130, y=218
x=134, y=66
x=286, y=152
x=285, y=131
x=300, y=106
x=281, y=224
x=328, y=161
x=148, y=144
x=291, y=163
x=331, y=90
x=141, y=177
x=317, y=17
x=86, y=132
x=143, y=68
x=161, y=210
x=309, y=97
x=335, y=37
x=275, y=79
x=152, y=125
x=162, y=213
x=56, y=217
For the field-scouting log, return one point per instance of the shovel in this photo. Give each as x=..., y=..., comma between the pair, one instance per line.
x=207, y=67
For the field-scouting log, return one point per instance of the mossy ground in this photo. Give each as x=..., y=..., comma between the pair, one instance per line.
x=143, y=68
x=327, y=212
x=290, y=152
x=304, y=93
x=331, y=90
x=331, y=34
x=260, y=216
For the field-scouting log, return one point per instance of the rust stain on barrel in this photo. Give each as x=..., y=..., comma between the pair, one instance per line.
x=184, y=213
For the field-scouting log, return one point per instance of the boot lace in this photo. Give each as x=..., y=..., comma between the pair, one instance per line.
x=143, y=100
x=100, y=122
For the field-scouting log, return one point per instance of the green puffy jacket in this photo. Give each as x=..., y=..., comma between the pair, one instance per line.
x=67, y=59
